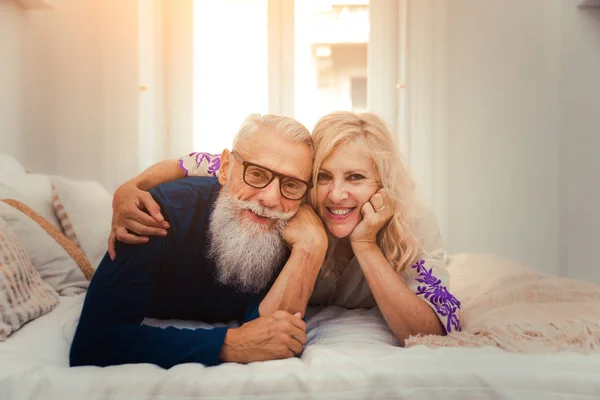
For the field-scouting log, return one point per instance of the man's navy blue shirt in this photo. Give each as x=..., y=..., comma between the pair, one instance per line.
x=169, y=277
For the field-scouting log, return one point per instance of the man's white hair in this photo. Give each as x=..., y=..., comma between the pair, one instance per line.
x=289, y=128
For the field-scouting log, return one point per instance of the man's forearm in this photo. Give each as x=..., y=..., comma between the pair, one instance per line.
x=110, y=329
x=161, y=172
x=114, y=344
x=294, y=285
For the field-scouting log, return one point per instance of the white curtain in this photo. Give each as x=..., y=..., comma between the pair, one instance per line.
x=424, y=129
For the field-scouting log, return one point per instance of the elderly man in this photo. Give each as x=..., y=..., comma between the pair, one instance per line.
x=225, y=259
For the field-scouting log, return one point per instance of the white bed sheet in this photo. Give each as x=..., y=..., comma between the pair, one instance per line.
x=350, y=355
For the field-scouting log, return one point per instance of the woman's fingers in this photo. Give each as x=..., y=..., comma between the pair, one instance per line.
x=377, y=201
x=153, y=209
x=129, y=238
x=141, y=217
x=367, y=210
x=140, y=229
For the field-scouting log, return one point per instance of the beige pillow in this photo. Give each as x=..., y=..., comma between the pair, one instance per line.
x=24, y=296
x=60, y=263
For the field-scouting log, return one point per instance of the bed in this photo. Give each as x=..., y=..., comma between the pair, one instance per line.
x=350, y=354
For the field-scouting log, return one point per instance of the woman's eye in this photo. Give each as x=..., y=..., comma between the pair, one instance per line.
x=322, y=177
x=355, y=177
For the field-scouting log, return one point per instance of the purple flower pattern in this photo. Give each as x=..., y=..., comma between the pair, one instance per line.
x=182, y=166
x=445, y=304
x=213, y=160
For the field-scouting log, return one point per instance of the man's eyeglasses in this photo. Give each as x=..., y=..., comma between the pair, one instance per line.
x=260, y=177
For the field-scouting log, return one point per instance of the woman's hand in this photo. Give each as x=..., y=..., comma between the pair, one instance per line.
x=135, y=215
x=376, y=212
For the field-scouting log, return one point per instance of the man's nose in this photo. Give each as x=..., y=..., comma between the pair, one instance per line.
x=270, y=195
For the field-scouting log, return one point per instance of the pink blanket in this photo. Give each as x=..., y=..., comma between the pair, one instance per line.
x=518, y=309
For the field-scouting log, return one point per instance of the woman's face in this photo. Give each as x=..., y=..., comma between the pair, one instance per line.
x=346, y=180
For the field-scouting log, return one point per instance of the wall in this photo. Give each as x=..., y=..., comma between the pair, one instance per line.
x=40, y=93
x=60, y=128
x=522, y=132
x=580, y=142
x=179, y=76
x=152, y=118
x=96, y=88
x=76, y=30
x=503, y=129
x=79, y=89
x=12, y=23
x=120, y=90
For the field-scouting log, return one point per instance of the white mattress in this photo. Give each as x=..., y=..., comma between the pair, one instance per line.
x=350, y=355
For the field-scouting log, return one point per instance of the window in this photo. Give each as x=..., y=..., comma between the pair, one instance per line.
x=230, y=68
x=331, y=43
x=300, y=58
x=359, y=93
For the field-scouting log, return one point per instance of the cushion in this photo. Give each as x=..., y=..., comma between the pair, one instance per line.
x=85, y=209
x=63, y=218
x=32, y=189
x=60, y=263
x=24, y=296
x=9, y=167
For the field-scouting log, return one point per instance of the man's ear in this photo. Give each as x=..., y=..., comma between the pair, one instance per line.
x=224, y=167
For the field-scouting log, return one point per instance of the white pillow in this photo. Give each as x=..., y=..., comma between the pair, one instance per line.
x=85, y=214
x=31, y=189
x=49, y=258
x=9, y=167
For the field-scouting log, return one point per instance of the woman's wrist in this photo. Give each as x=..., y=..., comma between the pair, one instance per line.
x=141, y=183
x=360, y=246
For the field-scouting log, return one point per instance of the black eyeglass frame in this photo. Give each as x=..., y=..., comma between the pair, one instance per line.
x=274, y=175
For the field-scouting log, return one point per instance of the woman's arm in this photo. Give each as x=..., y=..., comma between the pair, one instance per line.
x=418, y=304
x=161, y=172
x=135, y=214
x=405, y=313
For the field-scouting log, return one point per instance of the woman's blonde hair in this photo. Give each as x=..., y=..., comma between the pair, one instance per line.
x=397, y=238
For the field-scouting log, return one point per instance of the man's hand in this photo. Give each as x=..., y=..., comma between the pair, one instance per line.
x=305, y=230
x=281, y=335
x=129, y=204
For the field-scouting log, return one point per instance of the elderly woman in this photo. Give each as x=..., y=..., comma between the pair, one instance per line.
x=384, y=249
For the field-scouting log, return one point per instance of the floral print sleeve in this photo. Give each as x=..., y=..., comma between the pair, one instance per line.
x=200, y=164
x=428, y=277
x=429, y=282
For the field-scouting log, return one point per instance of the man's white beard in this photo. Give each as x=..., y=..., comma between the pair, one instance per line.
x=246, y=253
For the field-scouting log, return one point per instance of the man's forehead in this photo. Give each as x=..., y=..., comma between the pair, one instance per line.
x=278, y=153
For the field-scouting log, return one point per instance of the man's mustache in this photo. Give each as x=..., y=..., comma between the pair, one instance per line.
x=263, y=211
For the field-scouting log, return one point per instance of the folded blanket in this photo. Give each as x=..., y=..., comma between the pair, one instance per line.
x=518, y=309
